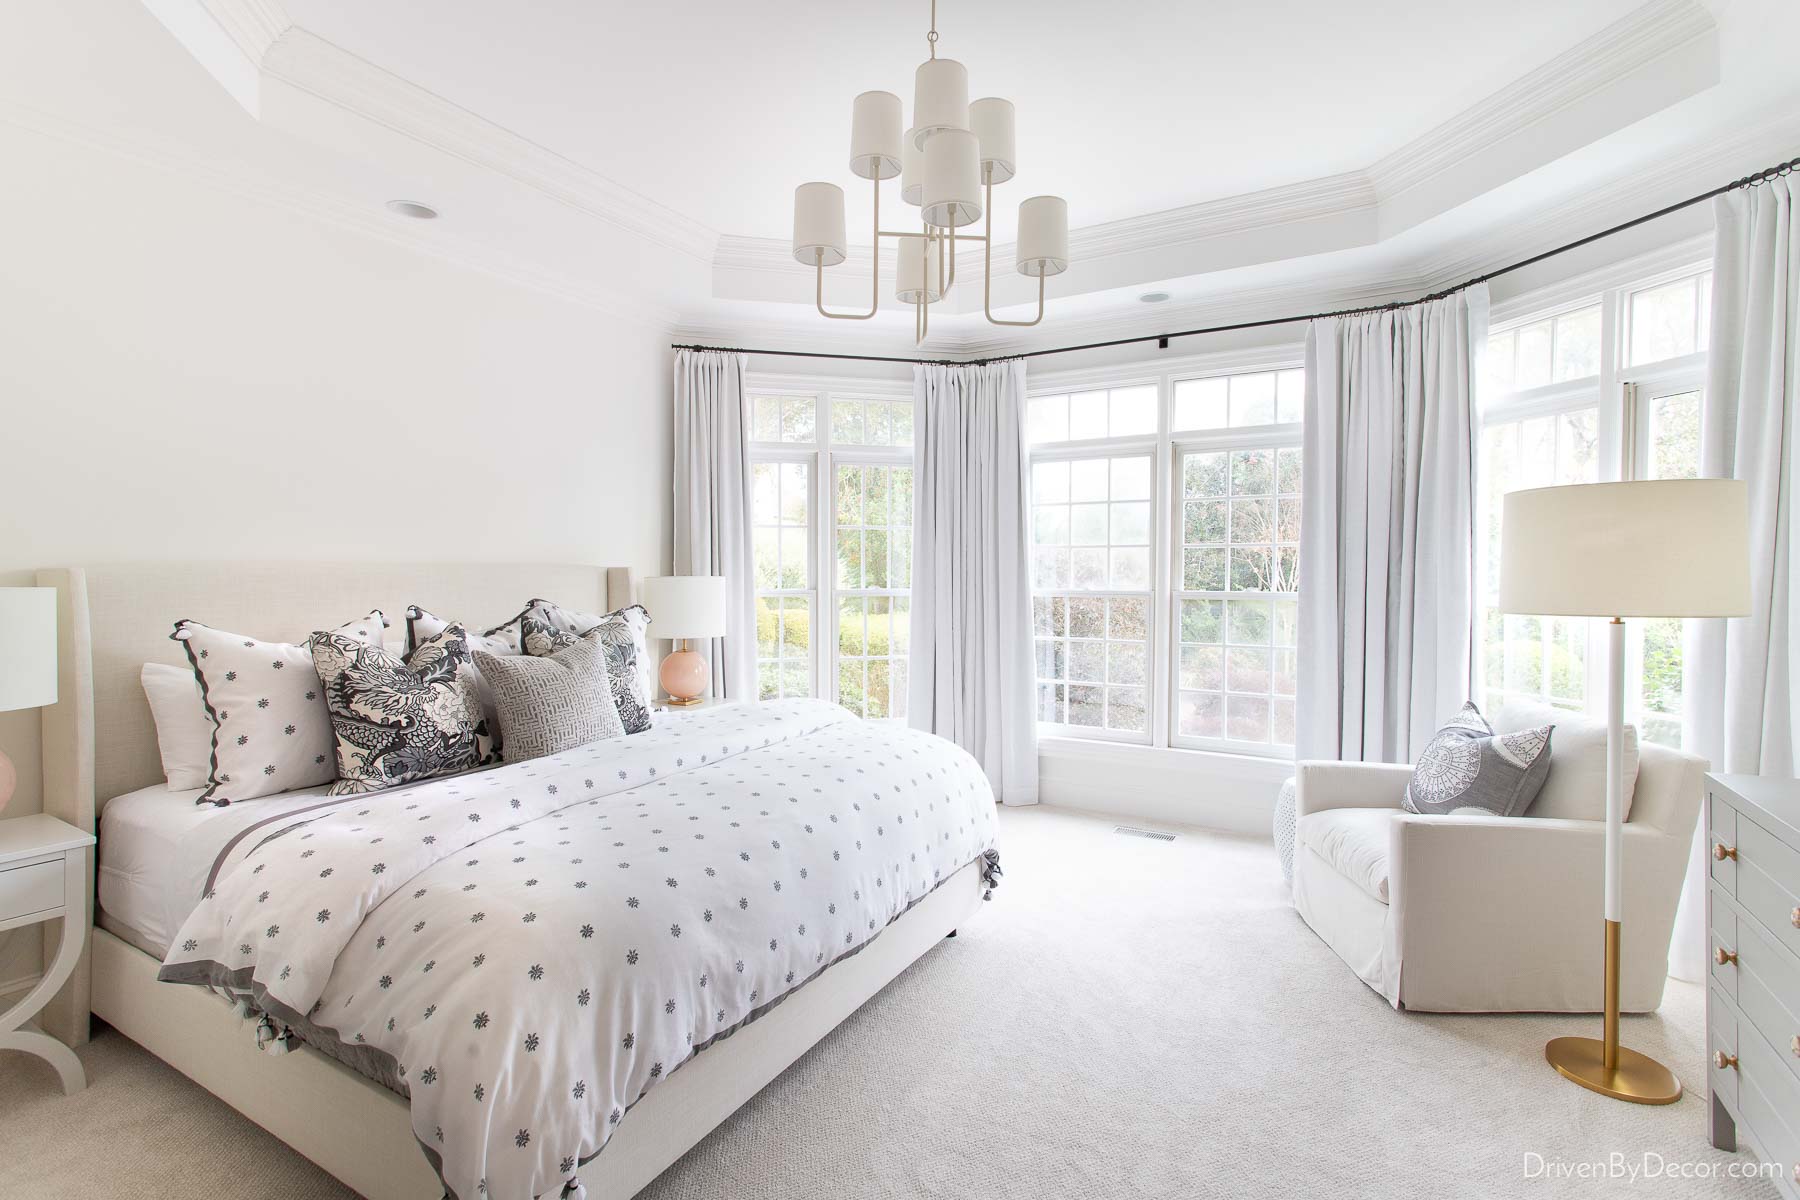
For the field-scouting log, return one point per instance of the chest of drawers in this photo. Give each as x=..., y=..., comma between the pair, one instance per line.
x=1753, y=995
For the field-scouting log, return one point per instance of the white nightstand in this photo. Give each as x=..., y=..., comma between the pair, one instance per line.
x=663, y=704
x=43, y=876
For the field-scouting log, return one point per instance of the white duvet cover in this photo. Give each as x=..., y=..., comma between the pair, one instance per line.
x=526, y=951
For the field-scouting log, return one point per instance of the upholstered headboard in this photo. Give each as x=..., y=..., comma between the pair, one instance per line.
x=99, y=740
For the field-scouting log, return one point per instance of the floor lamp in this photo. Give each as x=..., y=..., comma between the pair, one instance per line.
x=1663, y=548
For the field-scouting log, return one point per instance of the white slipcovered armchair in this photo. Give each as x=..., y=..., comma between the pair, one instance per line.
x=1489, y=914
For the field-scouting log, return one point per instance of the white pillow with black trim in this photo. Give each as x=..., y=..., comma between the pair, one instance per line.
x=183, y=730
x=549, y=627
x=271, y=727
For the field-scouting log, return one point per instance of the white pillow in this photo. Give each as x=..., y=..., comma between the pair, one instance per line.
x=183, y=731
x=272, y=730
x=1576, y=786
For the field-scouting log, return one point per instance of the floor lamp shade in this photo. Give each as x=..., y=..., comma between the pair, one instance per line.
x=1659, y=548
x=1655, y=548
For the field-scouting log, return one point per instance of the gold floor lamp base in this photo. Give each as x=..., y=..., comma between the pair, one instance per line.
x=1638, y=1077
x=1634, y=1077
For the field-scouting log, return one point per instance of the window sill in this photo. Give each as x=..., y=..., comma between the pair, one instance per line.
x=1180, y=758
x=1170, y=785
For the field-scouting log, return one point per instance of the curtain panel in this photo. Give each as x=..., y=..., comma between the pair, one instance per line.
x=1387, y=549
x=971, y=668
x=1739, y=707
x=712, y=506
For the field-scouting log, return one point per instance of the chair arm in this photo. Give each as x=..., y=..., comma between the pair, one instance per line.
x=1324, y=784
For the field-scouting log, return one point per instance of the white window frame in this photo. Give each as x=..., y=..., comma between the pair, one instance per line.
x=1162, y=446
x=1622, y=394
x=823, y=459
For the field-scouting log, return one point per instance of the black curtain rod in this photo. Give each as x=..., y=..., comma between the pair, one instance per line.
x=1162, y=339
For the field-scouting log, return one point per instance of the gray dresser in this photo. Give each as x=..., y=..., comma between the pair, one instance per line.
x=1753, y=997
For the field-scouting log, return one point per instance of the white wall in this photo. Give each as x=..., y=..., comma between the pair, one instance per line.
x=186, y=373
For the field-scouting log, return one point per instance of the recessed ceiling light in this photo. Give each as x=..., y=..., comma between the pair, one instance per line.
x=413, y=209
x=1154, y=297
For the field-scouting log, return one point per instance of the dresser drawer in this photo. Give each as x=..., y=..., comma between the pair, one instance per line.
x=30, y=889
x=1722, y=829
x=1767, y=875
x=1768, y=993
x=1721, y=1038
x=1769, y=1101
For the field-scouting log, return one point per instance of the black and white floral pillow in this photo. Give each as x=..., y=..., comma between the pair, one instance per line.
x=623, y=633
x=271, y=729
x=399, y=720
x=502, y=641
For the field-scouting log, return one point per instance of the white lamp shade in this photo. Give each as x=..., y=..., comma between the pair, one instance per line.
x=819, y=224
x=940, y=98
x=912, y=171
x=918, y=271
x=1043, y=236
x=1660, y=548
x=686, y=606
x=952, y=179
x=991, y=121
x=875, y=136
x=27, y=649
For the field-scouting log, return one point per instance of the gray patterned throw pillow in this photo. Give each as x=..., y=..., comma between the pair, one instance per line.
x=548, y=627
x=555, y=702
x=1469, y=769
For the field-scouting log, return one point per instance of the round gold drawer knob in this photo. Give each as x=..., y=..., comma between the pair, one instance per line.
x=1795, y=918
x=1796, y=1047
x=1723, y=1060
x=1724, y=957
x=1721, y=851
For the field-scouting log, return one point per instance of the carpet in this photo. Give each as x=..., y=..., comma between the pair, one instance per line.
x=1127, y=1018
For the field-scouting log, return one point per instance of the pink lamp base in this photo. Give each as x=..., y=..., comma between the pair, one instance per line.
x=684, y=677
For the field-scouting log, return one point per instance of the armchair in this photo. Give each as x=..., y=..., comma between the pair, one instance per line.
x=1488, y=914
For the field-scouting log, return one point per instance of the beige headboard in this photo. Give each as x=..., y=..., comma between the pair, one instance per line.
x=99, y=740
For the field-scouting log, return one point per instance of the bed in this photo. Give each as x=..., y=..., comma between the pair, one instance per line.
x=589, y=962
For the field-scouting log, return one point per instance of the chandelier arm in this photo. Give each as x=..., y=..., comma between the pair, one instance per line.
x=874, y=271
x=987, y=263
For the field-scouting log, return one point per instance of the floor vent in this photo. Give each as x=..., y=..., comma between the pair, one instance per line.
x=1152, y=834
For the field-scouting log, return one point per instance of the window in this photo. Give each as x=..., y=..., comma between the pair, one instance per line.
x=1165, y=529
x=840, y=632
x=1609, y=390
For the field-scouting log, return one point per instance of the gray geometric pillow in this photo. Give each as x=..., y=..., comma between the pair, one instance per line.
x=547, y=627
x=552, y=703
x=399, y=720
x=1467, y=768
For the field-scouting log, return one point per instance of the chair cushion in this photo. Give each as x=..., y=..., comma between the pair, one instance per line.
x=1575, y=788
x=1354, y=841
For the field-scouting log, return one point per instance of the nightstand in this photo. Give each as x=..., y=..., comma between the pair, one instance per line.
x=43, y=876
x=663, y=704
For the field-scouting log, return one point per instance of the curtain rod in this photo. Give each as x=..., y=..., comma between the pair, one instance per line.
x=1162, y=339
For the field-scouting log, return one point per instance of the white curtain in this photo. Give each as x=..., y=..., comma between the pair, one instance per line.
x=1387, y=543
x=1739, y=706
x=971, y=662
x=712, y=505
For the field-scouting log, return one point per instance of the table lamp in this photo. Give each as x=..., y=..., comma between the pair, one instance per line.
x=27, y=661
x=683, y=607
x=1661, y=548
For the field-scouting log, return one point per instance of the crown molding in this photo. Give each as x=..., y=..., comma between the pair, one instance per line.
x=1636, y=40
x=275, y=49
x=329, y=210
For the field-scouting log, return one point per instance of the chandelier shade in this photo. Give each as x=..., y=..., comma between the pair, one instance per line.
x=991, y=121
x=875, y=126
x=912, y=171
x=1043, y=247
x=920, y=282
x=952, y=179
x=940, y=98
x=819, y=224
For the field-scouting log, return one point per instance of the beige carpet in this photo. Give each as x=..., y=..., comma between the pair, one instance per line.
x=1127, y=1018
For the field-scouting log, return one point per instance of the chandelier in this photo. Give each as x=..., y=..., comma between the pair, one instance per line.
x=948, y=164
